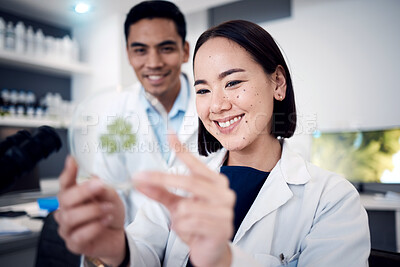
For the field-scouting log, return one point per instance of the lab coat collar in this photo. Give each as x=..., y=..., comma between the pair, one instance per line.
x=190, y=121
x=290, y=169
x=189, y=124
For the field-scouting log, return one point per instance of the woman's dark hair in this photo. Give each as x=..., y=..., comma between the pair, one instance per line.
x=156, y=9
x=263, y=49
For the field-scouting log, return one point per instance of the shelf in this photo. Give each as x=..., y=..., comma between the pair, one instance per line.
x=32, y=122
x=47, y=65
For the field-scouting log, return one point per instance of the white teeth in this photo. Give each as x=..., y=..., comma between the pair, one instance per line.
x=228, y=123
x=154, y=77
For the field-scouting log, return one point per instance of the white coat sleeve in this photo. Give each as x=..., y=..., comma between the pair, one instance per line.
x=148, y=235
x=339, y=235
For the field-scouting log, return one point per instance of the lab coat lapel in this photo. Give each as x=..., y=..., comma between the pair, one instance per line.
x=274, y=193
x=290, y=169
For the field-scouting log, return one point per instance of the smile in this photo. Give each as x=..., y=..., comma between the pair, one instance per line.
x=229, y=122
x=156, y=77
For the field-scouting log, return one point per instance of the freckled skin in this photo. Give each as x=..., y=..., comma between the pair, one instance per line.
x=234, y=94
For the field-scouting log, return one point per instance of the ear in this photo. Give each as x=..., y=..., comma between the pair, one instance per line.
x=279, y=79
x=185, y=52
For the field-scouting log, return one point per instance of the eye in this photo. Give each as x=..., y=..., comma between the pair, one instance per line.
x=202, y=91
x=167, y=49
x=232, y=83
x=139, y=51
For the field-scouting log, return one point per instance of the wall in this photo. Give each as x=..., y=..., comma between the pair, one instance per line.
x=100, y=44
x=344, y=60
x=344, y=57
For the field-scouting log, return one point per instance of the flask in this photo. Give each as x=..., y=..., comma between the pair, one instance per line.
x=20, y=37
x=2, y=33
x=10, y=37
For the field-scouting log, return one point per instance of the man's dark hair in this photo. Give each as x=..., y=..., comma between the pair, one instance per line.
x=263, y=49
x=156, y=9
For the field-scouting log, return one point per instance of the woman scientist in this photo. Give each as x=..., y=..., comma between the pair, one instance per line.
x=265, y=207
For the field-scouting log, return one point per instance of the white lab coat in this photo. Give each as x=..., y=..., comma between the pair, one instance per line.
x=146, y=155
x=302, y=216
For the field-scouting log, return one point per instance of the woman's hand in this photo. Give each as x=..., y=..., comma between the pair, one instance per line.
x=90, y=217
x=204, y=219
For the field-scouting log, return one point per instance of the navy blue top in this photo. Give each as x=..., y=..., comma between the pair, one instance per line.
x=246, y=182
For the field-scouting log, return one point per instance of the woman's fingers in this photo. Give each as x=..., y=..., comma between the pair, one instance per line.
x=193, y=163
x=193, y=219
x=91, y=240
x=194, y=185
x=71, y=219
x=160, y=194
x=79, y=194
x=68, y=175
x=87, y=191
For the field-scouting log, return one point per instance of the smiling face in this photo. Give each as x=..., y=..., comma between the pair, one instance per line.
x=156, y=53
x=234, y=95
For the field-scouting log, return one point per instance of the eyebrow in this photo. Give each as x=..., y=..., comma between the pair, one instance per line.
x=167, y=42
x=221, y=75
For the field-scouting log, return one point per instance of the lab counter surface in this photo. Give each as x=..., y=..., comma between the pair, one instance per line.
x=20, y=249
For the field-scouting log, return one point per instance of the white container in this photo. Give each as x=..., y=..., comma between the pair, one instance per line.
x=14, y=97
x=75, y=50
x=49, y=46
x=40, y=43
x=6, y=96
x=30, y=99
x=30, y=46
x=67, y=48
x=2, y=33
x=10, y=37
x=20, y=36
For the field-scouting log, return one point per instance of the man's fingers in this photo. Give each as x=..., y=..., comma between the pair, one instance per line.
x=68, y=175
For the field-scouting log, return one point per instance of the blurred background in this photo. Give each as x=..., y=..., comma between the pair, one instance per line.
x=343, y=54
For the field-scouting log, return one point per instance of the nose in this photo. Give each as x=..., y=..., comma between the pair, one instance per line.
x=219, y=101
x=154, y=59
